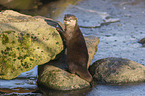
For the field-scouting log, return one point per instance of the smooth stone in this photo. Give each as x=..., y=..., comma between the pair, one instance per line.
x=117, y=70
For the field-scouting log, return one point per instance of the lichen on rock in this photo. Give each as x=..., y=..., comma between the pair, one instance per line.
x=117, y=70
x=58, y=79
x=25, y=42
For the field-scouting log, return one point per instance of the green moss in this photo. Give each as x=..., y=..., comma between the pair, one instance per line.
x=23, y=48
x=5, y=39
x=8, y=32
x=57, y=42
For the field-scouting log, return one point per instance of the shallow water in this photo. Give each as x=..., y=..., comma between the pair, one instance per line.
x=117, y=39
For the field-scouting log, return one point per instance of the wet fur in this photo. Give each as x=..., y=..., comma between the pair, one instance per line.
x=77, y=53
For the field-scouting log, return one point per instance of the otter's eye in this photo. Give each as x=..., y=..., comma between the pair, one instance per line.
x=70, y=20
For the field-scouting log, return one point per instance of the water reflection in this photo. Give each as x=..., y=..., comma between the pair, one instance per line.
x=51, y=9
x=20, y=4
x=49, y=92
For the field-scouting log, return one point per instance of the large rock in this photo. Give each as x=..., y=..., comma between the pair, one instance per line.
x=117, y=70
x=53, y=76
x=25, y=42
x=20, y=4
x=92, y=44
x=58, y=79
x=142, y=41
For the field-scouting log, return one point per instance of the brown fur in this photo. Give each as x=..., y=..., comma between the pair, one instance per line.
x=77, y=53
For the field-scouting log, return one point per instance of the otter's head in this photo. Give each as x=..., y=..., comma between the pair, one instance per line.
x=70, y=20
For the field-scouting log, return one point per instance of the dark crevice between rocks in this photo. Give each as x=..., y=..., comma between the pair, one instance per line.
x=48, y=1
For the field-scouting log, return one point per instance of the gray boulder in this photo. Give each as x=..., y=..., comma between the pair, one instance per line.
x=117, y=70
x=26, y=41
x=53, y=75
x=58, y=79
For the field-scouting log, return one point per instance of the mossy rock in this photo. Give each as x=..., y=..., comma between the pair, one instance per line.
x=25, y=42
x=58, y=79
x=117, y=70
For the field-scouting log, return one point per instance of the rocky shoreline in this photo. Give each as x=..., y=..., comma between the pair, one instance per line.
x=18, y=37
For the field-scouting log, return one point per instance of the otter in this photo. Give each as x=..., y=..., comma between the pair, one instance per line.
x=77, y=53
